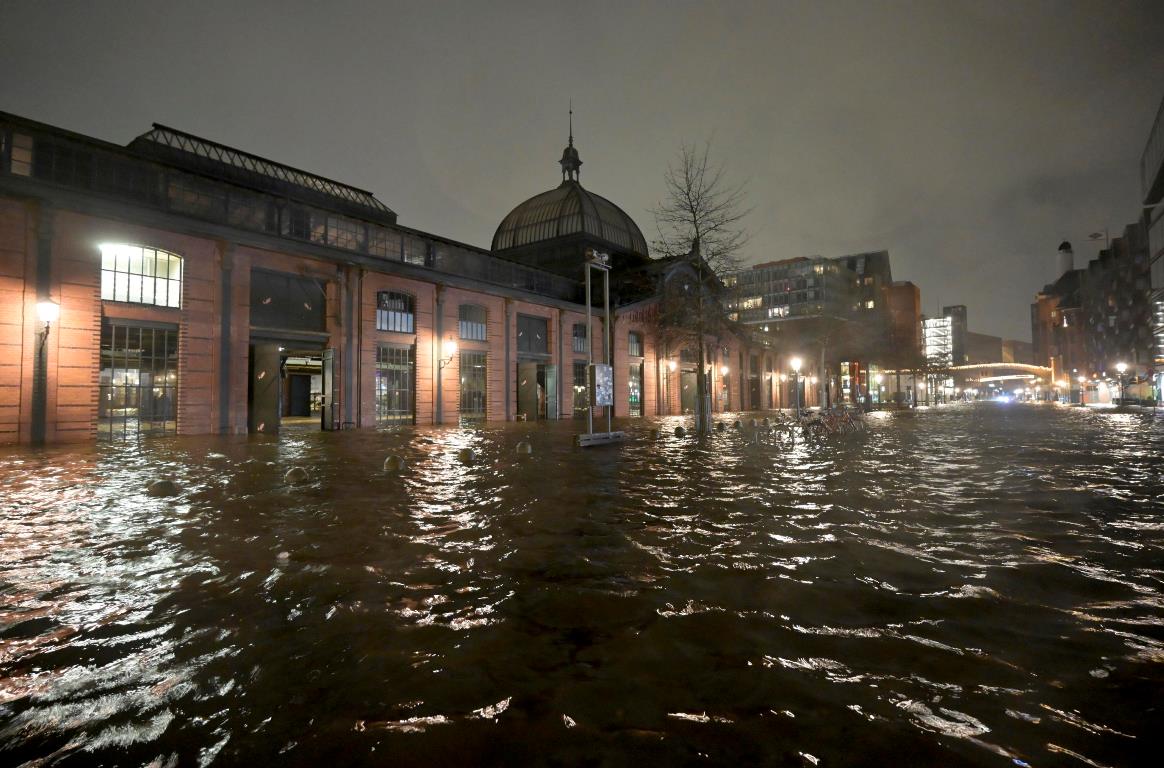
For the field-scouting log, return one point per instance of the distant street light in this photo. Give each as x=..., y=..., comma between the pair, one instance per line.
x=796, y=362
x=1122, y=368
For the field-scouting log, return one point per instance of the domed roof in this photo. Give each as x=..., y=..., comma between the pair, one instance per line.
x=569, y=210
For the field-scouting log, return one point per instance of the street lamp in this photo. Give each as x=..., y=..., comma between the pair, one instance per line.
x=878, y=378
x=796, y=362
x=1122, y=368
x=448, y=349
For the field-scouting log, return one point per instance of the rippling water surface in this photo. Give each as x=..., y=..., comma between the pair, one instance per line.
x=976, y=585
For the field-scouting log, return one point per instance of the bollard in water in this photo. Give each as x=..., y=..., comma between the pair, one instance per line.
x=680, y=431
x=295, y=476
x=394, y=463
x=654, y=434
x=737, y=425
x=524, y=449
x=719, y=426
x=466, y=456
x=162, y=488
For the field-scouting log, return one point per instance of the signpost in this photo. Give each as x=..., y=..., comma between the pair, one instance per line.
x=601, y=375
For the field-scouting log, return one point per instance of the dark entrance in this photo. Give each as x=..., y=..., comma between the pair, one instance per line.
x=290, y=382
x=537, y=390
x=687, y=392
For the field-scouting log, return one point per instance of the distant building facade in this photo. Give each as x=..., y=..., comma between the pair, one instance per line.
x=1152, y=195
x=983, y=348
x=958, y=329
x=1116, y=301
x=903, y=301
x=832, y=312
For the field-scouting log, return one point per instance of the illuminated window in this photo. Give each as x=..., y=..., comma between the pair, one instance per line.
x=870, y=304
x=778, y=311
x=138, y=381
x=472, y=322
x=473, y=392
x=395, y=312
x=138, y=275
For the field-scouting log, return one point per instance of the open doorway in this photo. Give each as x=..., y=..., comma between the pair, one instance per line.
x=537, y=391
x=302, y=387
x=288, y=386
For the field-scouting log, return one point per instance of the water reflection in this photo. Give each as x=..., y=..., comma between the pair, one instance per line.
x=963, y=585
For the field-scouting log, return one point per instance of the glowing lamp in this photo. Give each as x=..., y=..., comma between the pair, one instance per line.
x=796, y=362
x=1121, y=367
x=48, y=311
x=724, y=370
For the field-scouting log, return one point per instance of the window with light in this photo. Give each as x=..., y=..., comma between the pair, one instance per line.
x=139, y=275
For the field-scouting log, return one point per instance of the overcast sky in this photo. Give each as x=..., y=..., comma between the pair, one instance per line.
x=968, y=139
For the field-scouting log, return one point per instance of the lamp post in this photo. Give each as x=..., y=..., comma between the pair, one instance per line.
x=48, y=312
x=1122, y=368
x=796, y=362
x=879, y=378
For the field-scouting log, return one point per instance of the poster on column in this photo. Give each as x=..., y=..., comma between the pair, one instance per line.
x=602, y=384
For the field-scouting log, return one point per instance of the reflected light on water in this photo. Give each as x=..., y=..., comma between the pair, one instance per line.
x=958, y=585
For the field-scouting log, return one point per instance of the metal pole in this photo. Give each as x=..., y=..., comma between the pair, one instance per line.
x=589, y=358
x=608, y=337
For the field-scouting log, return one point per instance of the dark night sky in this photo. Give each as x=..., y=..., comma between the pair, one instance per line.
x=966, y=138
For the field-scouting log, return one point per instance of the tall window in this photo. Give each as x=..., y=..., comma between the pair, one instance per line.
x=581, y=390
x=395, y=385
x=395, y=312
x=580, y=338
x=138, y=390
x=635, y=390
x=140, y=275
x=473, y=385
x=472, y=322
x=634, y=344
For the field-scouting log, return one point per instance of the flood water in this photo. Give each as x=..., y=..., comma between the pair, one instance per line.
x=971, y=585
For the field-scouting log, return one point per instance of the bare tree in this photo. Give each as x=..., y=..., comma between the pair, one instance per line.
x=700, y=221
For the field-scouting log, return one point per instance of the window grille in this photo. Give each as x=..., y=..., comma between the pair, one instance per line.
x=472, y=322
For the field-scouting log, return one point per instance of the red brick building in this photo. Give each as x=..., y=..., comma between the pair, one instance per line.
x=192, y=288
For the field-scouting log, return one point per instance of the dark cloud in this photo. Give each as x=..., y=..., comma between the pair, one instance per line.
x=967, y=138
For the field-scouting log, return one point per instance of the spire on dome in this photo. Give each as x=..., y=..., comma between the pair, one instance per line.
x=570, y=162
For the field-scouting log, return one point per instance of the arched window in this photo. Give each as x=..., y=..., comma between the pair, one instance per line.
x=138, y=275
x=395, y=312
x=472, y=322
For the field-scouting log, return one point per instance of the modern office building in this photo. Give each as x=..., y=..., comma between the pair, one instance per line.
x=179, y=286
x=1117, y=312
x=959, y=327
x=834, y=308
x=937, y=341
